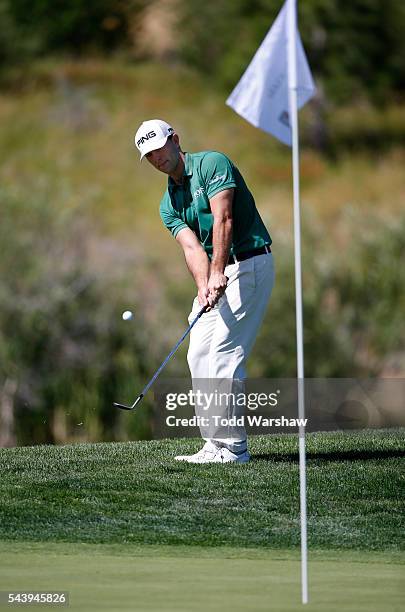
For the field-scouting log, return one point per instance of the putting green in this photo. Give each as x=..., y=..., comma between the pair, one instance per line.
x=149, y=578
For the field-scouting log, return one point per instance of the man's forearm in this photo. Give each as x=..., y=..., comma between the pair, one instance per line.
x=199, y=265
x=221, y=242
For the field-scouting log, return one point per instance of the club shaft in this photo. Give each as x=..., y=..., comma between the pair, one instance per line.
x=170, y=355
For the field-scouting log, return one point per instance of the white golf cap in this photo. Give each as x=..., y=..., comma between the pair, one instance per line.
x=152, y=135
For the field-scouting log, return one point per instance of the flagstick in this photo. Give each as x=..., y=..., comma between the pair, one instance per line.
x=292, y=82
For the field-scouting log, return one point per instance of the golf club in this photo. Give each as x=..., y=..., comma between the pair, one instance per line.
x=160, y=368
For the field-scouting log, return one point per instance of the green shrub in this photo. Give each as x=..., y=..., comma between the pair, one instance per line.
x=65, y=353
x=353, y=305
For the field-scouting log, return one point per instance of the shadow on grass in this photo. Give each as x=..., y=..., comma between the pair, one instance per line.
x=352, y=455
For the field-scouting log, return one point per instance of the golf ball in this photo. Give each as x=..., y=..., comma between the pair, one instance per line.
x=127, y=315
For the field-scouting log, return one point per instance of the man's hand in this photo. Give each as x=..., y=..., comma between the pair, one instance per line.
x=203, y=295
x=217, y=283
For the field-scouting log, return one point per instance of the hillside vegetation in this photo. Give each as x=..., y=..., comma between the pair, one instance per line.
x=82, y=241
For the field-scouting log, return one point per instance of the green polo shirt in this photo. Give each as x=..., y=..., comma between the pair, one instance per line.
x=187, y=205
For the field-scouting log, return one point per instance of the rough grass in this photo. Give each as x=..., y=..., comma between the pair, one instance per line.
x=136, y=493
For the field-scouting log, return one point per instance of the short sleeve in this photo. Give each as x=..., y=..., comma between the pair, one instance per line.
x=170, y=218
x=218, y=173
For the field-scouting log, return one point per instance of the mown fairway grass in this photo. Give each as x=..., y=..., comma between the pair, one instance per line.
x=196, y=579
x=123, y=526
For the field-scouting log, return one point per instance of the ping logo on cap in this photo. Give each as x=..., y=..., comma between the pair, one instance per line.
x=146, y=137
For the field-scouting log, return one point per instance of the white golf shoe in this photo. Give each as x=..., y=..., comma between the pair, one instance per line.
x=210, y=453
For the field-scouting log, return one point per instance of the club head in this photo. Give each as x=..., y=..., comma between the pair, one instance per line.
x=123, y=406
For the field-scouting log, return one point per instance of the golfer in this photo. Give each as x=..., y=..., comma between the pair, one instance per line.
x=210, y=211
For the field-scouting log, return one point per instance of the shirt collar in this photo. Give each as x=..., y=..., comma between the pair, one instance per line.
x=188, y=165
x=188, y=170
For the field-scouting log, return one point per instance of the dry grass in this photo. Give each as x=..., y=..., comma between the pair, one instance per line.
x=69, y=133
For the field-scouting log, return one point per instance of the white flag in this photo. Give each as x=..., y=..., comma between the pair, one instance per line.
x=261, y=96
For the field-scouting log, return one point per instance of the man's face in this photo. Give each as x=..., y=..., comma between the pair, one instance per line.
x=167, y=157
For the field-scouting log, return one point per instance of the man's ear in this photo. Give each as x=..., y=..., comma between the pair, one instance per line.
x=176, y=140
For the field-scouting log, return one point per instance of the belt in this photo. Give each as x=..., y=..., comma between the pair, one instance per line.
x=248, y=254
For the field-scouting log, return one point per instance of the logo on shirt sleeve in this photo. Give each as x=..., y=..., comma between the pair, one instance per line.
x=217, y=178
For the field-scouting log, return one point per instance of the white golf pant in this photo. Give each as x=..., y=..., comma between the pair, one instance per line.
x=220, y=344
